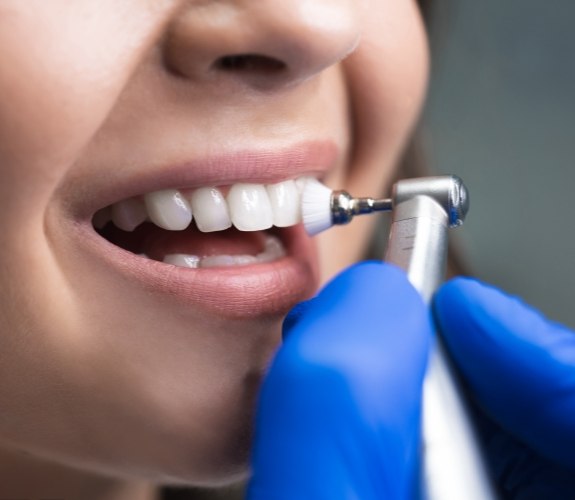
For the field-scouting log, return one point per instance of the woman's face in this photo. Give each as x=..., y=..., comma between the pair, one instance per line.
x=119, y=362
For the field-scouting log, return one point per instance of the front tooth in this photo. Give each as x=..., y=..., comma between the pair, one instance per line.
x=129, y=214
x=168, y=209
x=210, y=210
x=250, y=207
x=182, y=260
x=301, y=183
x=274, y=250
x=285, y=202
x=274, y=246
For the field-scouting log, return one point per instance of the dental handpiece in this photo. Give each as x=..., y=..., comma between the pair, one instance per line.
x=422, y=211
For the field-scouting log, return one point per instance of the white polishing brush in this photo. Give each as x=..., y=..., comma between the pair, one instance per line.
x=322, y=207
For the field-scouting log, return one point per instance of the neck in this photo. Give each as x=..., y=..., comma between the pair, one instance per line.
x=25, y=476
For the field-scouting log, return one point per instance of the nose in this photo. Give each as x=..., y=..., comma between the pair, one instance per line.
x=260, y=42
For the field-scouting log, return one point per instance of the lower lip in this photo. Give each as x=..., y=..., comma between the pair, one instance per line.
x=235, y=292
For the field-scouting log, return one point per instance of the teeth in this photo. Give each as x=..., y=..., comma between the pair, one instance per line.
x=273, y=250
x=210, y=210
x=301, y=182
x=129, y=214
x=250, y=207
x=285, y=202
x=168, y=209
x=182, y=260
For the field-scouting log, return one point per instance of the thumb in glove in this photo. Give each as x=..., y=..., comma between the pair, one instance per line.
x=339, y=412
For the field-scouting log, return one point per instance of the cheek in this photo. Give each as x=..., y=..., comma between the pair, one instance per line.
x=58, y=79
x=386, y=78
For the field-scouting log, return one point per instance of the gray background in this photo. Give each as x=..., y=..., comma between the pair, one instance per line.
x=501, y=114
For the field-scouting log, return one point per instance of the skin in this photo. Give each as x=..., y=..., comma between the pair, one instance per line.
x=107, y=389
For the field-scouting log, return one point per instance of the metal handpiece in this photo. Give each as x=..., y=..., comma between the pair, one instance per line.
x=423, y=209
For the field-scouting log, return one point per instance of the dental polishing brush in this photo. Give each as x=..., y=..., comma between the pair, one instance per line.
x=323, y=207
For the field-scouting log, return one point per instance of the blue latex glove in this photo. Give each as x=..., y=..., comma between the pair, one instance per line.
x=520, y=369
x=339, y=412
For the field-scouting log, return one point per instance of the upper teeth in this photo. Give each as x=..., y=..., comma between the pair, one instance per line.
x=249, y=207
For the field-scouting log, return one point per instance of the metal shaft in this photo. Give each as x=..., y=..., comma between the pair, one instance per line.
x=344, y=206
x=453, y=468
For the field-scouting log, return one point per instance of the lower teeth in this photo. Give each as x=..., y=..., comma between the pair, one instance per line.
x=273, y=250
x=182, y=260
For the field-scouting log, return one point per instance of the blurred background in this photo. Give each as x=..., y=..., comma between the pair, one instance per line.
x=501, y=115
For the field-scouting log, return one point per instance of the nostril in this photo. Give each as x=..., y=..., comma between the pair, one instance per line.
x=250, y=63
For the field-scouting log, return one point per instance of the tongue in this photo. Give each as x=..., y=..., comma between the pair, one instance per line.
x=156, y=243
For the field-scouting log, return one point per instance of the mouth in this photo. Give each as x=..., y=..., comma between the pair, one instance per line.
x=237, y=247
x=207, y=227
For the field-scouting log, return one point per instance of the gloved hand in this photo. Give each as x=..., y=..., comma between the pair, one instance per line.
x=520, y=369
x=339, y=412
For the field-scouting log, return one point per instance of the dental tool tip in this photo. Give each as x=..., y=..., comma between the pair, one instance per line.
x=316, y=207
x=322, y=207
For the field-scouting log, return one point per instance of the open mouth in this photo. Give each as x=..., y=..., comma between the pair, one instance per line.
x=206, y=227
x=222, y=233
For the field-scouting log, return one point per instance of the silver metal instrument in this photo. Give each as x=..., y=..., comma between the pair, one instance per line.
x=423, y=210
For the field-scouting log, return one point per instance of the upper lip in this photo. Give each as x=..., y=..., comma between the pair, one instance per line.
x=260, y=165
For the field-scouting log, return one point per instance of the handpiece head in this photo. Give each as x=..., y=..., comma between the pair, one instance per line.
x=447, y=190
